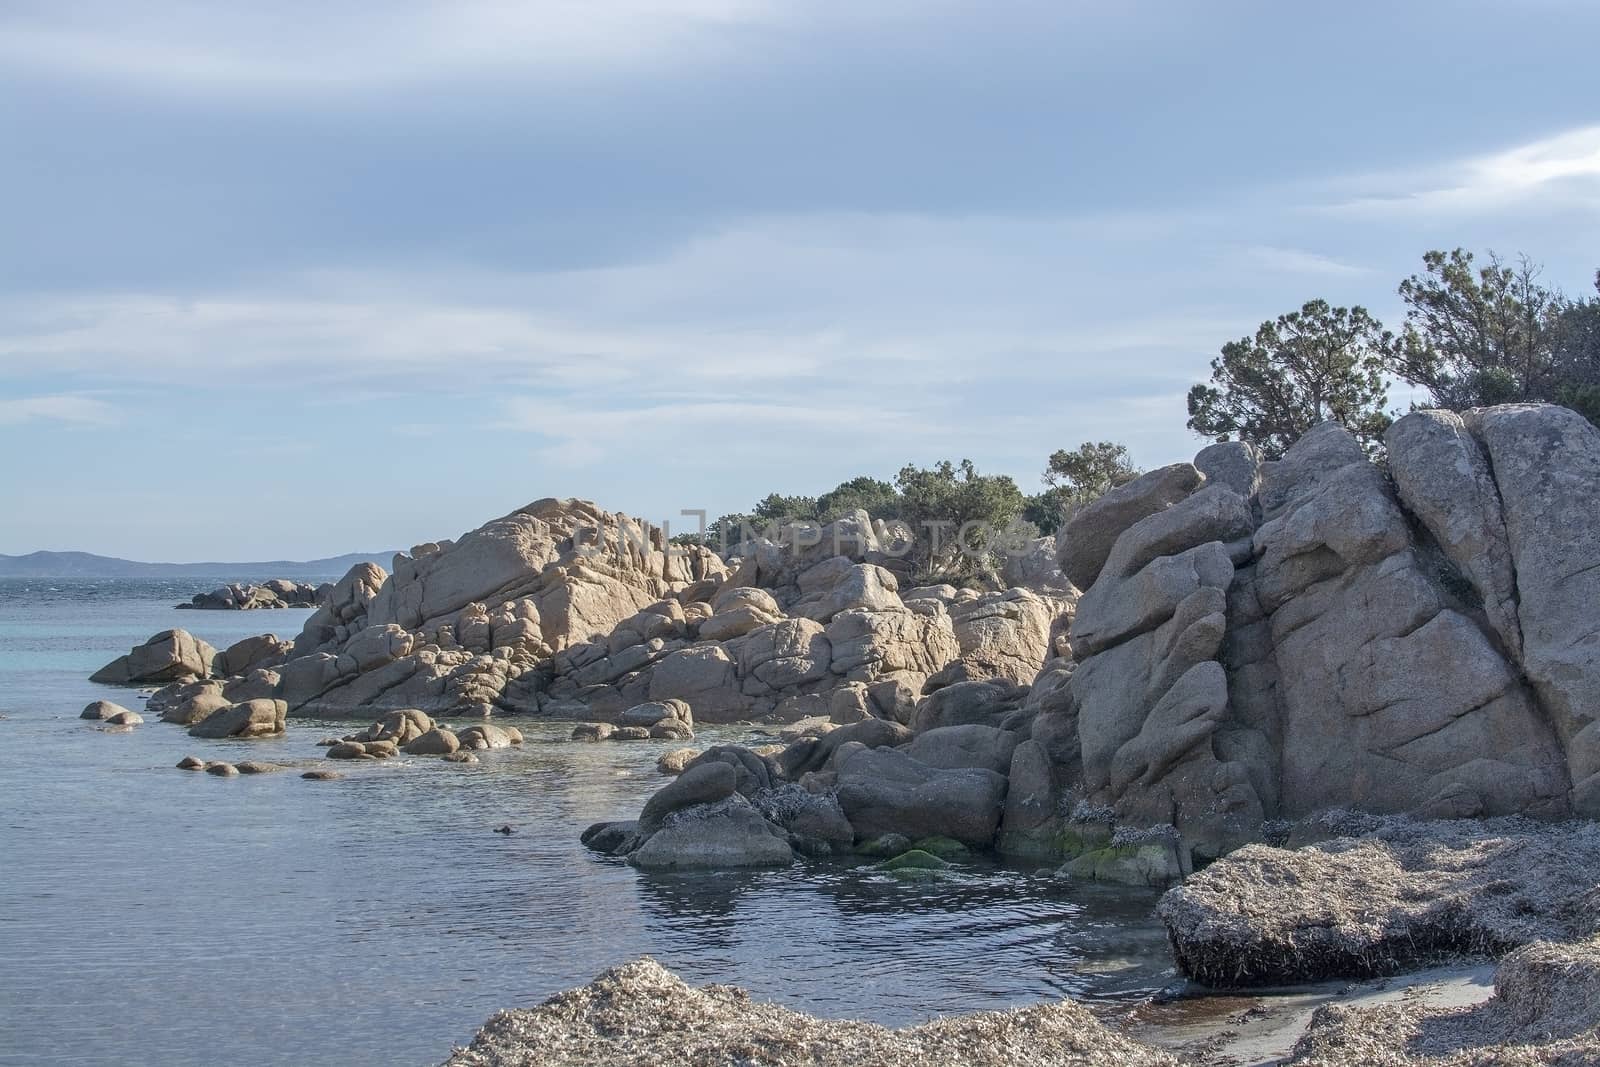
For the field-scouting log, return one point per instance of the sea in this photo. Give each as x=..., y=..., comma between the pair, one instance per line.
x=155, y=916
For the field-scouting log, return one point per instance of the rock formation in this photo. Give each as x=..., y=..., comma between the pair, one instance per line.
x=1254, y=642
x=275, y=593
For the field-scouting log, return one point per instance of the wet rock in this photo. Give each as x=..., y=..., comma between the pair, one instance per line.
x=437, y=741
x=322, y=776
x=592, y=731
x=191, y=763
x=221, y=769
x=103, y=711
x=251, y=766
x=724, y=836
x=676, y=761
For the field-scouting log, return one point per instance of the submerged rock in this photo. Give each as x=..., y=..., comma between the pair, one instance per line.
x=641, y=1015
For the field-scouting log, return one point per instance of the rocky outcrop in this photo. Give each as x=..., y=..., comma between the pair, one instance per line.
x=1546, y=464
x=169, y=656
x=1335, y=639
x=642, y=1015
x=275, y=593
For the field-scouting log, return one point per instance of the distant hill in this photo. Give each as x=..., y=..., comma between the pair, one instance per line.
x=88, y=565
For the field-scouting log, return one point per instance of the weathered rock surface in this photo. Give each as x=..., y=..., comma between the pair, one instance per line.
x=642, y=1015
x=1546, y=464
x=1086, y=540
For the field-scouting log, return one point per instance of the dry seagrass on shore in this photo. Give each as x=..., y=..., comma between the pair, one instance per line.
x=1385, y=899
x=642, y=1015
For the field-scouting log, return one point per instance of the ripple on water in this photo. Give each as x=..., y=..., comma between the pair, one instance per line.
x=164, y=916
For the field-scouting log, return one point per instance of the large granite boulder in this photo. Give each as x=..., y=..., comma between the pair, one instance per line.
x=1546, y=463
x=253, y=718
x=887, y=791
x=169, y=656
x=1086, y=540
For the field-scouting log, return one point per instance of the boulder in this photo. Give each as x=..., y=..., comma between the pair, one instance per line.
x=191, y=763
x=487, y=735
x=702, y=783
x=1442, y=475
x=986, y=703
x=102, y=711
x=125, y=718
x=1235, y=465
x=244, y=656
x=885, y=790
x=436, y=742
x=657, y=711
x=253, y=718
x=189, y=703
x=169, y=656
x=1546, y=464
x=1086, y=540
x=592, y=731
x=971, y=745
x=676, y=761
x=723, y=836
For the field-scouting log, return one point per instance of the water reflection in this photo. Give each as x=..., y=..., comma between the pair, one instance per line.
x=382, y=918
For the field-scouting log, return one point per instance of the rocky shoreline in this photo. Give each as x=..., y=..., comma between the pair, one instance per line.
x=1453, y=893
x=1207, y=663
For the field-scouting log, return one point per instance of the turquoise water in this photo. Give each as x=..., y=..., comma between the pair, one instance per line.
x=150, y=915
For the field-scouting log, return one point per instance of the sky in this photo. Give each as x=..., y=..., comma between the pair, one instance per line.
x=295, y=279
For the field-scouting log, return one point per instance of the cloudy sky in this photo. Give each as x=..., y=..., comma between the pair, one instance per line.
x=300, y=278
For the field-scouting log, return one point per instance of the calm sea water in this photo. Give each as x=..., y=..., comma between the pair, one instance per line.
x=151, y=915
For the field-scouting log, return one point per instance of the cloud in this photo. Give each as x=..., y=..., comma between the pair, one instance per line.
x=305, y=46
x=67, y=408
x=1561, y=172
x=1299, y=261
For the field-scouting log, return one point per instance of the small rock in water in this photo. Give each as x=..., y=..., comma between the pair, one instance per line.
x=674, y=762
x=251, y=766
x=191, y=763
x=507, y=830
x=221, y=769
x=328, y=742
x=126, y=718
x=104, y=711
x=461, y=756
x=322, y=776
